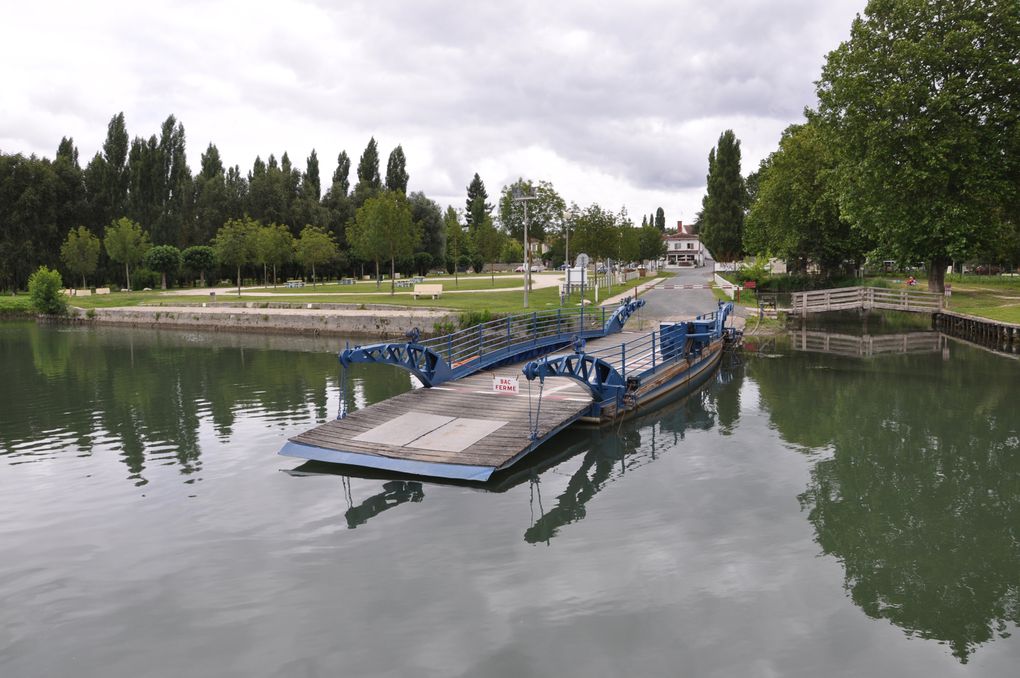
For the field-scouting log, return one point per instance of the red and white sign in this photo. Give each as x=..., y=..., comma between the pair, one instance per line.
x=505, y=384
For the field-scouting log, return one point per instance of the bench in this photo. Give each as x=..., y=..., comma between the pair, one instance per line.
x=434, y=291
x=346, y=281
x=295, y=283
x=402, y=283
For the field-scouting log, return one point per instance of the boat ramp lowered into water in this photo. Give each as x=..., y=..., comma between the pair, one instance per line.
x=476, y=416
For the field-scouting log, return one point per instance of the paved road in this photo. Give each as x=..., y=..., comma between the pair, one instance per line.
x=662, y=303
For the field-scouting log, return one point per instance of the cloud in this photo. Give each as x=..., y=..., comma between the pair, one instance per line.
x=615, y=104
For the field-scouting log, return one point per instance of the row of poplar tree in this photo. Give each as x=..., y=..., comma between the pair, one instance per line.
x=137, y=205
x=912, y=153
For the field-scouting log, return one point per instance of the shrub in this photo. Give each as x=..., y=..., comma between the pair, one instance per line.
x=45, y=290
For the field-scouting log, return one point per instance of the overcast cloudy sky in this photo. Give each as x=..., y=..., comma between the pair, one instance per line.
x=615, y=103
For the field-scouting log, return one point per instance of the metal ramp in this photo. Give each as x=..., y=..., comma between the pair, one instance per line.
x=497, y=342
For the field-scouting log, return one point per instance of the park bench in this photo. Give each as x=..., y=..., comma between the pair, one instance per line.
x=295, y=283
x=434, y=291
x=346, y=281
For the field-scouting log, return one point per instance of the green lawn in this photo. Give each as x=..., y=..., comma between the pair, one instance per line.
x=15, y=305
x=464, y=282
x=495, y=302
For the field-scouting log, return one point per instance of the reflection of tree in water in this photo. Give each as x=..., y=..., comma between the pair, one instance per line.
x=150, y=391
x=920, y=498
x=618, y=449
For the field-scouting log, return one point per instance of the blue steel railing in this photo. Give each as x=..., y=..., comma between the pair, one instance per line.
x=606, y=372
x=493, y=343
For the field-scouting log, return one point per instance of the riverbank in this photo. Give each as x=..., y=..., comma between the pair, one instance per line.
x=351, y=321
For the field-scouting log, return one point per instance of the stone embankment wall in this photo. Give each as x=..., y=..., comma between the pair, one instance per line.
x=387, y=322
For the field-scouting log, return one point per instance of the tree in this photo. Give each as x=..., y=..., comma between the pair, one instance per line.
x=45, y=292
x=396, y=171
x=368, y=174
x=722, y=220
x=477, y=207
x=165, y=259
x=235, y=244
x=428, y=219
x=315, y=246
x=80, y=252
x=454, y=240
x=630, y=243
x=489, y=243
x=595, y=232
x=651, y=246
x=795, y=214
x=545, y=213
x=384, y=230
x=274, y=246
x=920, y=107
x=126, y=243
x=198, y=259
x=660, y=219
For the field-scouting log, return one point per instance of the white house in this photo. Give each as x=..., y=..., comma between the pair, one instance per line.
x=683, y=248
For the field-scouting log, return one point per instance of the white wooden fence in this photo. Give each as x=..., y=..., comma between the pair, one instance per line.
x=865, y=298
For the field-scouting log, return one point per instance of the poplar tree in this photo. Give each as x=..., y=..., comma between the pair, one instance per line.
x=396, y=171
x=369, y=183
x=722, y=221
x=660, y=219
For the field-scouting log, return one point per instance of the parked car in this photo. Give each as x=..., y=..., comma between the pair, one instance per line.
x=519, y=269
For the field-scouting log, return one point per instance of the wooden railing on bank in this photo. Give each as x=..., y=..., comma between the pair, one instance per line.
x=865, y=298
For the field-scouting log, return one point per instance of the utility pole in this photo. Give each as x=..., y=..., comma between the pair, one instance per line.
x=522, y=197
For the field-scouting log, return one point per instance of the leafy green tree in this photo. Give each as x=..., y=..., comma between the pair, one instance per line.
x=651, y=246
x=311, y=185
x=396, y=171
x=795, y=214
x=106, y=177
x=369, y=183
x=545, y=213
x=212, y=207
x=384, y=230
x=45, y=291
x=235, y=244
x=198, y=259
x=630, y=243
x=477, y=207
x=660, y=219
x=595, y=232
x=274, y=246
x=80, y=252
x=166, y=259
x=454, y=240
x=126, y=243
x=428, y=219
x=722, y=220
x=921, y=109
x=489, y=243
x=315, y=246
x=337, y=205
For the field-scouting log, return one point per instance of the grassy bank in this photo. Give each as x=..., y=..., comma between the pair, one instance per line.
x=511, y=301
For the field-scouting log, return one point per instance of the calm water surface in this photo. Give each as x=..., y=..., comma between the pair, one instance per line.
x=804, y=514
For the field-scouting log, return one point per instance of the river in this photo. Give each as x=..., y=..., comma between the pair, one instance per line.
x=804, y=514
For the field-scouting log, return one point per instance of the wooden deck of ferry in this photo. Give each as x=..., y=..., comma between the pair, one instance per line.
x=464, y=426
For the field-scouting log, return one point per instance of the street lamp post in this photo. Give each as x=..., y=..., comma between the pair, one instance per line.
x=522, y=197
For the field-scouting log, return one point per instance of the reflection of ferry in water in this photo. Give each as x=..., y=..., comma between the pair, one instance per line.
x=604, y=457
x=431, y=432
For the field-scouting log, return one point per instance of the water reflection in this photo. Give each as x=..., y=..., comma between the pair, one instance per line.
x=606, y=455
x=916, y=484
x=150, y=396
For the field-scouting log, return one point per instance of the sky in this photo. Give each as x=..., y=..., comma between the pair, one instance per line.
x=613, y=103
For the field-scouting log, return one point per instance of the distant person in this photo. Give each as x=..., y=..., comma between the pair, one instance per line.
x=911, y=281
